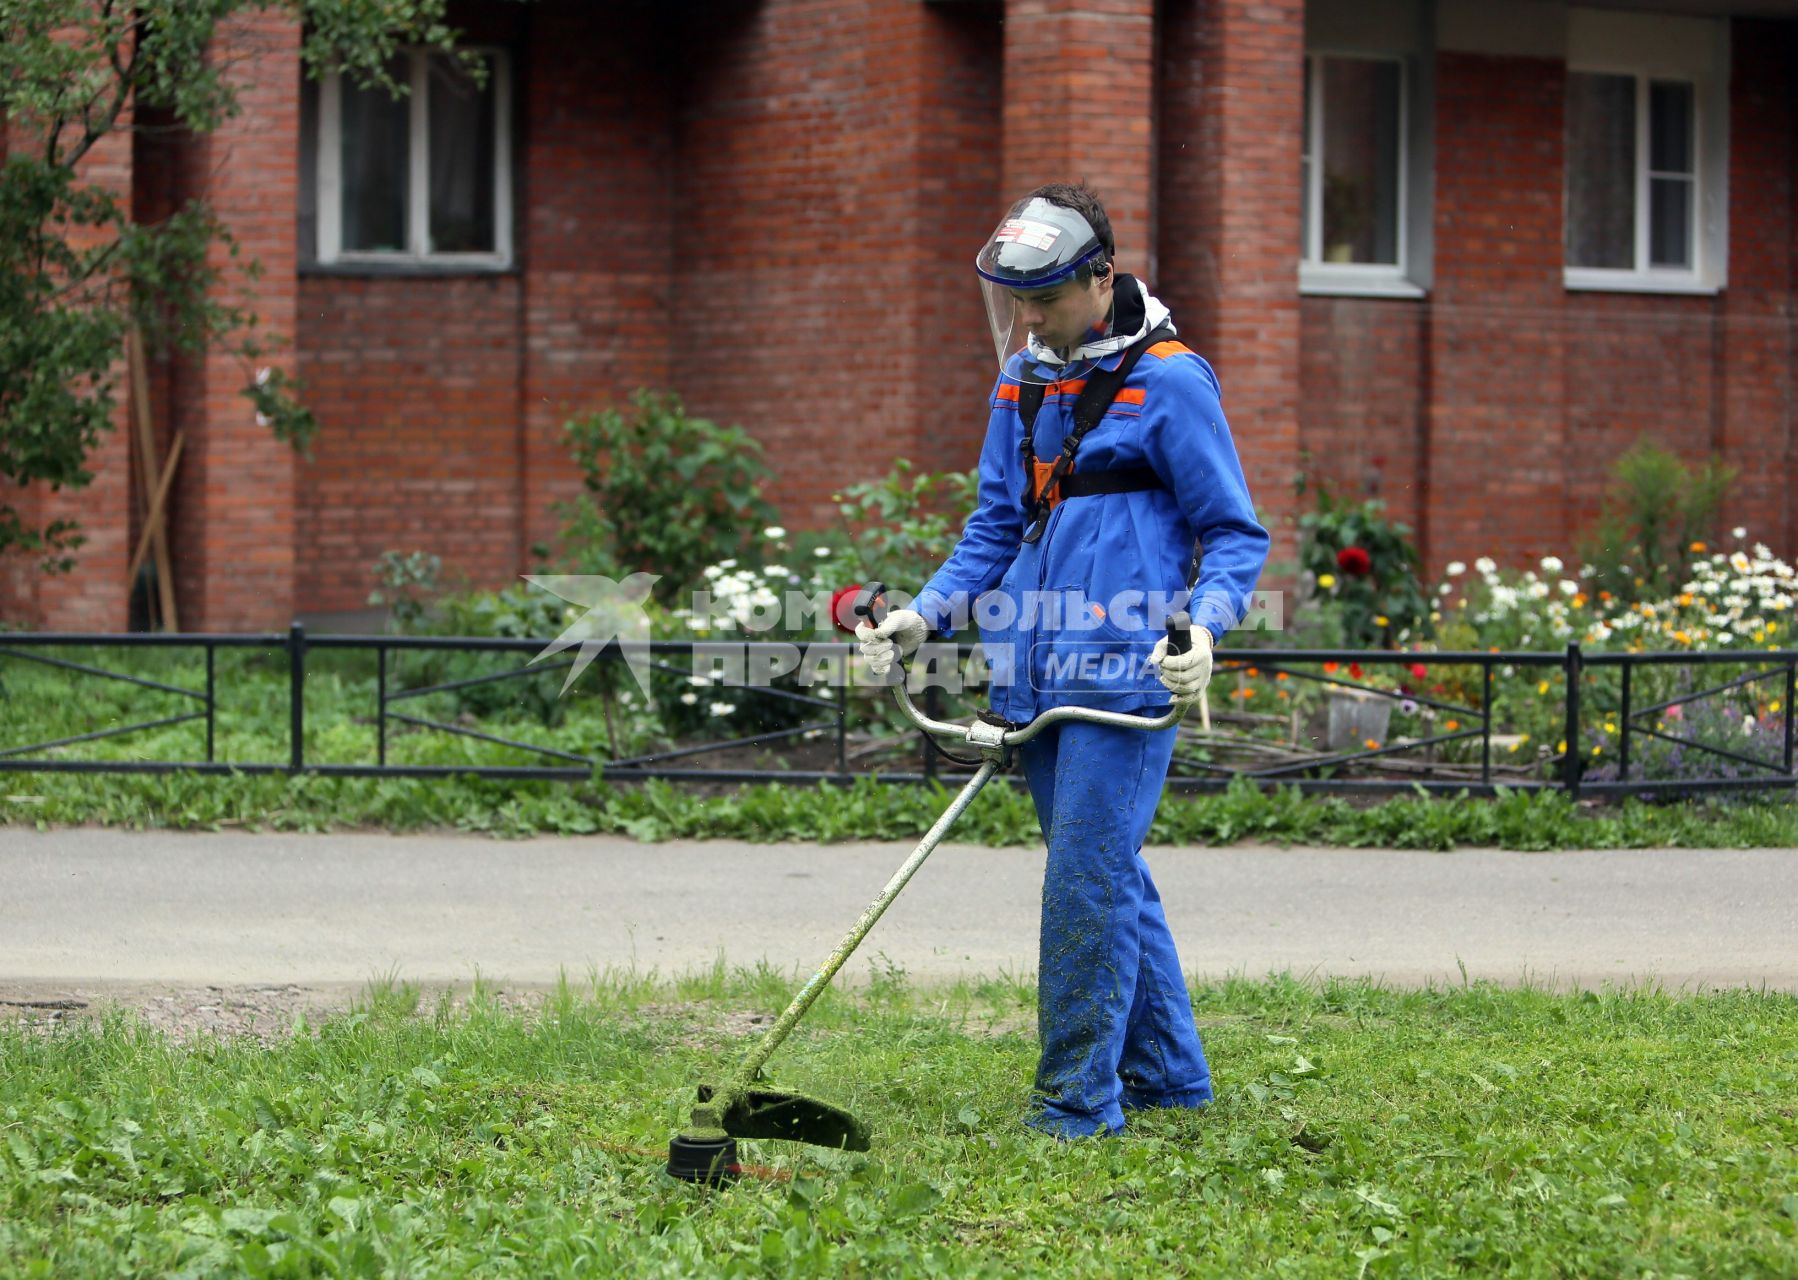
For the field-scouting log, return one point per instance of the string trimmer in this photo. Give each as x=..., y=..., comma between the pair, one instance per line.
x=706, y=1150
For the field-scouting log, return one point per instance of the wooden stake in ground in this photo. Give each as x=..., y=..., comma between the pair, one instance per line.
x=153, y=531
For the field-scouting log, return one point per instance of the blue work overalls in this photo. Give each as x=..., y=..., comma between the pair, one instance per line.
x=1068, y=620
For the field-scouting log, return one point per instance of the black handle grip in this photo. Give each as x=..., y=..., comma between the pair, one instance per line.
x=1179, y=633
x=871, y=602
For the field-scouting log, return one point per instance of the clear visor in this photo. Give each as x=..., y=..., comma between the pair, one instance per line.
x=1010, y=335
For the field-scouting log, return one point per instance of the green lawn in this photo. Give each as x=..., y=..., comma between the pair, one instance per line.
x=1474, y=1131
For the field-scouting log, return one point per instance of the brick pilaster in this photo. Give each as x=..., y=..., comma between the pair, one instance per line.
x=1499, y=457
x=234, y=504
x=1232, y=102
x=1756, y=426
x=1079, y=105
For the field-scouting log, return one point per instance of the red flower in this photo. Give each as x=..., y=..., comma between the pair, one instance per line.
x=842, y=612
x=1419, y=670
x=1354, y=670
x=1354, y=561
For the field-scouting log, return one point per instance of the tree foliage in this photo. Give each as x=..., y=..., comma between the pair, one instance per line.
x=76, y=272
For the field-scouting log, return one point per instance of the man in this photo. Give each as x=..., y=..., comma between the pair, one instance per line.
x=1072, y=565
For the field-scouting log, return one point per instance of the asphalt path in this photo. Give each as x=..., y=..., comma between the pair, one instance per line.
x=100, y=906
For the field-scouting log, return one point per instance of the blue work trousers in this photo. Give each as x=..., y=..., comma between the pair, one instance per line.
x=1114, y=1016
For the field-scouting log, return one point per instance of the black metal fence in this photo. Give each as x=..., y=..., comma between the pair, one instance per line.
x=1402, y=765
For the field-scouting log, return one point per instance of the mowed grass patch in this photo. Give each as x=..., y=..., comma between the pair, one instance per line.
x=1358, y=1131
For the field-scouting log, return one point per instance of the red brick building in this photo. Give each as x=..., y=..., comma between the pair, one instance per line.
x=1457, y=252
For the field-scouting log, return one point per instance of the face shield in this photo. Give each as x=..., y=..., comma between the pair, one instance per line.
x=1037, y=245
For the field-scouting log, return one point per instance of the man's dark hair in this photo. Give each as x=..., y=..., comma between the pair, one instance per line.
x=1084, y=201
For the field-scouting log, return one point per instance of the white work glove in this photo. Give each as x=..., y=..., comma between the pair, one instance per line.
x=902, y=632
x=1184, y=674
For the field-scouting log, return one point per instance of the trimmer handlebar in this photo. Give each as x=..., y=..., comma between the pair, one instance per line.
x=870, y=603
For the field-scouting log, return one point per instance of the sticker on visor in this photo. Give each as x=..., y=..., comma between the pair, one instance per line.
x=1030, y=234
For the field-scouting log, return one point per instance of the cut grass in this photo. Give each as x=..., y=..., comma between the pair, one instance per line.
x=1473, y=1131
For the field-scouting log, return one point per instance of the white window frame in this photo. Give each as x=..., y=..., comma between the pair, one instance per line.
x=1644, y=275
x=1371, y=279
x=418, y=205
x=1669, y=49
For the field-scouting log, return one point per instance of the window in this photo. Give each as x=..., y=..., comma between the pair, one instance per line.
x=419, y=180
x=1647, y=137
x=1632, y=173
x=1353, y=175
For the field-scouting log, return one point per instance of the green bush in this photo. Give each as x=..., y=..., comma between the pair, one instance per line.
x=1658, y=514
x=1365, y=569
x=901, y=527
x=666, y=493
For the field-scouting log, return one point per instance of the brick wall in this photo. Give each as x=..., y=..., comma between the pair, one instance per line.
x=1527, y=391
x=772, y=207
x=1498, y=446
x=806, y=302
x=1362, y=399
x=415, y=384
x=1228, y=226
x=597, y=221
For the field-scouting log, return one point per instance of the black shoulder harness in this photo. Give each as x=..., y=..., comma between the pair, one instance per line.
x=1102, y=387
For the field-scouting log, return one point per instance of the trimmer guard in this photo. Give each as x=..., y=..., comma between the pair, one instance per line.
x=790, y=1117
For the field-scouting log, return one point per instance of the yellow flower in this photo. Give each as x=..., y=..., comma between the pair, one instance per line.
x=1370, y=744
x=1561, y=747
x=1685, y=598
x=1326, y=580
x=1579, y=600
x=1700, y=547
x=1515, y=745
x=1381, y=620
x=1597, y=748
x=1648, y=611
x=1610, y=728
x=1543, y=687
x=1773, y=707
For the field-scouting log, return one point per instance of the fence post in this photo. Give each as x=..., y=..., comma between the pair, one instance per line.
x=1623, y=724
x=1486, y=722
x=932, y=708
x=1791, y=681
x=212, y=710
x=1571, y=761
x=296, y=698
x=843, y=721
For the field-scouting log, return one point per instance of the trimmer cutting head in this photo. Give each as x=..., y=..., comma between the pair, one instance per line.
x=707, y=1150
